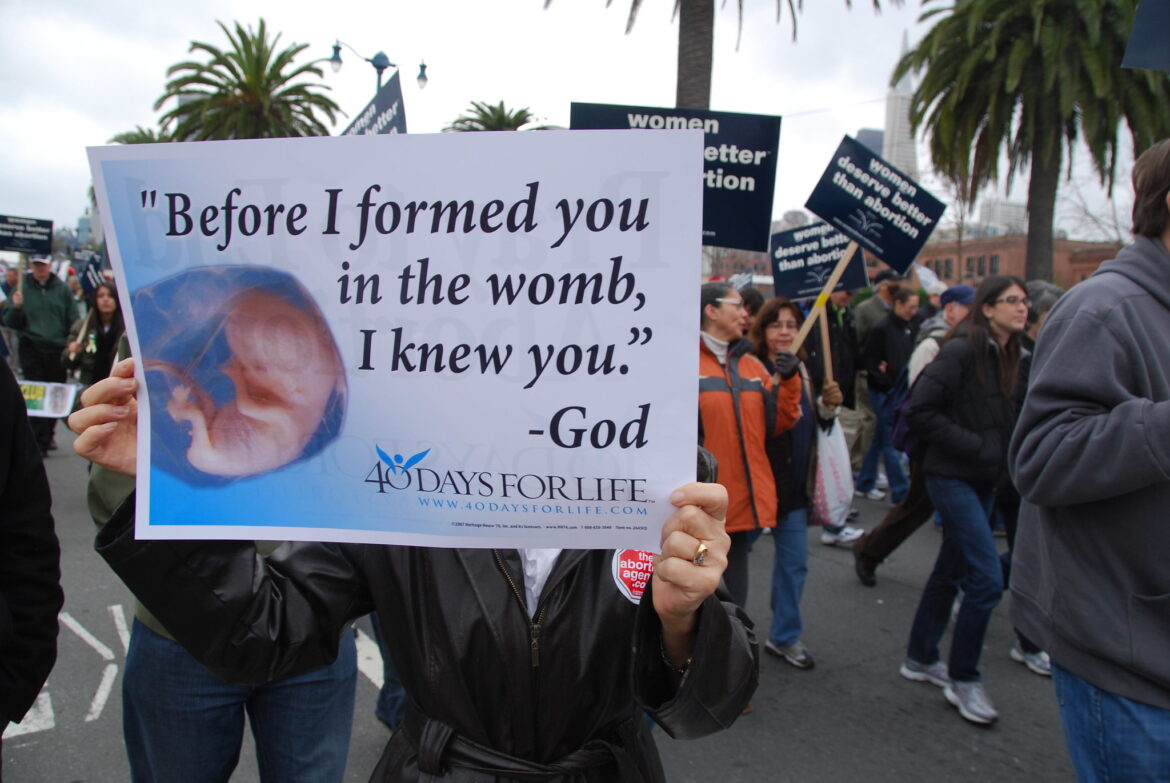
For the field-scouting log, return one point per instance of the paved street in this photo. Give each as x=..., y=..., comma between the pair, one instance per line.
x=851, y=718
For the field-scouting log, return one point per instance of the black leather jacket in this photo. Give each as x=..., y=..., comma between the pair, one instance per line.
x=494, y=695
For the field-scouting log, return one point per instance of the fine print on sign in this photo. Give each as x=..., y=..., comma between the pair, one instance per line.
x=875, y=204
x=459, y=355
x=739, y=164
x=804, y=258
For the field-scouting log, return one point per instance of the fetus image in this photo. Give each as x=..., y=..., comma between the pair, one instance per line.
x=263, y=383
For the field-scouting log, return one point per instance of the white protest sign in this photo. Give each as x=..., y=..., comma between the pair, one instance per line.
x=481, y=339
x=48, y=400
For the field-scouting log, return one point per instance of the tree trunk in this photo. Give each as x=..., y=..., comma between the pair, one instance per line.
x=696, y=37
x=1042, y=209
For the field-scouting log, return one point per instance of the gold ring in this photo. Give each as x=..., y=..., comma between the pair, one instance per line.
x=700, y=554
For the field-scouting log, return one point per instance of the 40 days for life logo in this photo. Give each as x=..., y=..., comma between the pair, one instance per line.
x=405, y=474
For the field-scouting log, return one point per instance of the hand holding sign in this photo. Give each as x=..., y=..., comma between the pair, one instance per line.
x=680, y=584
x=107, y=424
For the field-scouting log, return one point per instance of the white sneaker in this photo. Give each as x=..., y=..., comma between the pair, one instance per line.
x=1037, y=662
x=972, y=702
x=882, y=482
x=873, y=494
x=846, y=535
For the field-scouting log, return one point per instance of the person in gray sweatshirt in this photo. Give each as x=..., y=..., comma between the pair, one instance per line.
x=1091, y=458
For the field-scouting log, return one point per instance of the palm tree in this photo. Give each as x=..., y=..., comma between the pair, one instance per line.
x=139, y=135
x=486, y=117
x=249, y=91
x=1030, y=79
x=696, y=36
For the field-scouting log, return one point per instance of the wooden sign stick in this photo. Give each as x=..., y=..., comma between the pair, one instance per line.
x=823, y=298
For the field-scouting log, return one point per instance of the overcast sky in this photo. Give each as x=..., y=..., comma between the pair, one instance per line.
x=77, y=72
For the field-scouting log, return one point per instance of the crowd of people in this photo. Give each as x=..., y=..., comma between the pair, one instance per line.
x=1052, y=433
x=53, y=330
x=958, y=369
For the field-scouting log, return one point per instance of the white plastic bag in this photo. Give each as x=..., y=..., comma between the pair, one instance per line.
x=833, y=484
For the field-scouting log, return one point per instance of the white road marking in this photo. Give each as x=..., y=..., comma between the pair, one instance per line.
x=38, y=718
x=103, y=693
x=68, y=621
x=369, y=660
x=120, y=625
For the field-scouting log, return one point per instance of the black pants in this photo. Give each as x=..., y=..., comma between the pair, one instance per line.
x=900, y=521
x=38, y=363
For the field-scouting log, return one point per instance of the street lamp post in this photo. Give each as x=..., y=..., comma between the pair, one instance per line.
x=380, y=62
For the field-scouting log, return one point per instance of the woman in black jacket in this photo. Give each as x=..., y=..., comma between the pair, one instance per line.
x=508, y=675
x=792, y=455
x=963, y=407
x=93, y=340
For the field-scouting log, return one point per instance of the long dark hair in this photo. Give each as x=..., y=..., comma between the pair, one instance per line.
x=116, y=324
x=977, y=329
x=770, y=313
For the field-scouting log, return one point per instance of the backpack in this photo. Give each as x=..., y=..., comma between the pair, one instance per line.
x=902, y=436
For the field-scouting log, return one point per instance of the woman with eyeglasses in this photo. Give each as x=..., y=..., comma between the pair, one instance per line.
x=963, y=407
x=793, y=458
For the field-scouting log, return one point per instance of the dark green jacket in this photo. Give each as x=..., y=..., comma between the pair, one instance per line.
x=46, y=315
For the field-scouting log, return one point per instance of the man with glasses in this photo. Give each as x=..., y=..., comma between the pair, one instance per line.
x=740, y=405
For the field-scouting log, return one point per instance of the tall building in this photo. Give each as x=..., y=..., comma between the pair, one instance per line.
x=871, y=138
x=898, y=140
x=999, y=216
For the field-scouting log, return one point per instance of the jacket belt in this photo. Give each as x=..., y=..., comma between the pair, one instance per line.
x=439, y=747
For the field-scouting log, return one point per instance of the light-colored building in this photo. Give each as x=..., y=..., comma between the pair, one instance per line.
x=998, y=216
x=898, y=139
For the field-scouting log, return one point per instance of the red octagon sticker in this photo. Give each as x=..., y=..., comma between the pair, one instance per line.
x=632, y=569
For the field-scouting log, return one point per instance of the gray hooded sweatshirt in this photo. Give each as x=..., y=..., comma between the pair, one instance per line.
x=1091, y=458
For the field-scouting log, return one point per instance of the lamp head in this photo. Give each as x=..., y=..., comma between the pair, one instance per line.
x=422, y=75
x=335, y=60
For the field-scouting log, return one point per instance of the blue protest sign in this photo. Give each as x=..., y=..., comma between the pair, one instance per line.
x=384, y=114
x=739, y=164
x=872, y=202
x=804, y=258
x=1147, y=40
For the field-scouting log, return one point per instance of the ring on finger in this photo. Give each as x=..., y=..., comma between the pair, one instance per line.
x=700, y=554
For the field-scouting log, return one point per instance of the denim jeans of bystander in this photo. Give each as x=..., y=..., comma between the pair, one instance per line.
x=1111, y=738
x=182, y=724
x=967, y=560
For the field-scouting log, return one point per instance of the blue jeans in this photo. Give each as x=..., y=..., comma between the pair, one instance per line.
x=882, y=448
x=967, y=558
x=1110, y=737
x=789, y=570
x=182, y=724
x=391, y=706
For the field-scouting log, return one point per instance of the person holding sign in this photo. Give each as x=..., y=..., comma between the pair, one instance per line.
x=93, y=339
x=517, y=664
x=41, y=311
x=740, y=406
x=793, y=459
x=963, y=407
